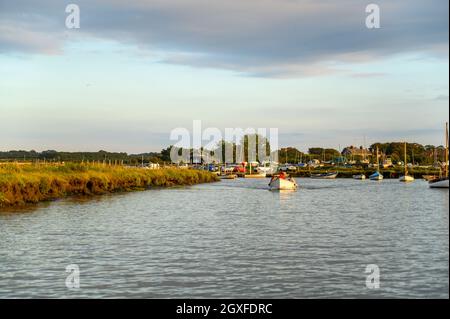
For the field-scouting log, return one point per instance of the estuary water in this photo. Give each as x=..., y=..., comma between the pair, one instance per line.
x=233, y=239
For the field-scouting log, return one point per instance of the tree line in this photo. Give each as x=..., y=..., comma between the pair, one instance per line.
x=416, y=153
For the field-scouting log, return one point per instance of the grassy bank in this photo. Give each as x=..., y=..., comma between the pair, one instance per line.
x=21, y=184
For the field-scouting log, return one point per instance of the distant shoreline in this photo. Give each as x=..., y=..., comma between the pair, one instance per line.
x=392, y=172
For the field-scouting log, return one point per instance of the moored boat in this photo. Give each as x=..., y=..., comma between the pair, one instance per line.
x=281, y=182
x=359, y=176
x=406, y=178
x=377, y=176
x=228, y=176
x=430, y=177
x=325, y=175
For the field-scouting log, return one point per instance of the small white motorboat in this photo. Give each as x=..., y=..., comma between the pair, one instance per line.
x=359, y=176
x=278, y=183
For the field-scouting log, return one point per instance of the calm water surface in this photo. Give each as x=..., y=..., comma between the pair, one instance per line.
x=233, y=239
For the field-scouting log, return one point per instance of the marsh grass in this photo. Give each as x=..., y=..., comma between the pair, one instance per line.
x=22, y=184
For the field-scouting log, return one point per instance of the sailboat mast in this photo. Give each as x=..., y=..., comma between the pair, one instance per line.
x=378, y=161
x=364, y=148
x=406, y=169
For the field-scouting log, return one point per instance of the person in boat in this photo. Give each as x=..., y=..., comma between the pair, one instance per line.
x=281, y=175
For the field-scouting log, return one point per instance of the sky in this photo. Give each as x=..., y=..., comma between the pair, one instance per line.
x=135, y=70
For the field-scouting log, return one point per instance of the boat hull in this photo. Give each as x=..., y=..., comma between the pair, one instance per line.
x=230, y=176
x=325, y=176
x=376, y=177
x=429, y=177
x=406, y=179
x=440, y=183
x=283, y=184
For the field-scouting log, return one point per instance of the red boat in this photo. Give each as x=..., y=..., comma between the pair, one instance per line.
x=240, y=168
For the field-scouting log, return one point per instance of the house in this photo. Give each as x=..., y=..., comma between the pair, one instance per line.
x=352, y=151
x=314, y=163
x=387, y=162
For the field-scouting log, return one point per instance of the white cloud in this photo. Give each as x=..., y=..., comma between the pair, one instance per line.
x=272, y=38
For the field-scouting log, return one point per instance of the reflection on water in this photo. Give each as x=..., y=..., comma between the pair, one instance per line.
x=232, y=239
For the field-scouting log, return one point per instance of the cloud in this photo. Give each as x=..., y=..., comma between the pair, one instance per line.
x=441, y=97
x=369, y=75
x=268, y=38
x=15, y=38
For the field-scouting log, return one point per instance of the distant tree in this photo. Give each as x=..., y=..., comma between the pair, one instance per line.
x=326, y=154
x=165, y=154
x=415, y=153
x=290, y=155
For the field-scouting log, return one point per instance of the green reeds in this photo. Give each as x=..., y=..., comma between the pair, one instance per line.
x=21, y=184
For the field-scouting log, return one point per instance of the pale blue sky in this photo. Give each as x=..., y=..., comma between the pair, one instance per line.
x=92, y=89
